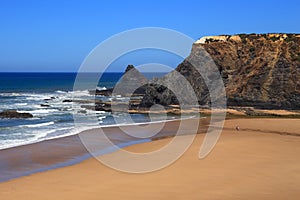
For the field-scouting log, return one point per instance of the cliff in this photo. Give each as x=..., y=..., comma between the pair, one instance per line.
x=259, y=70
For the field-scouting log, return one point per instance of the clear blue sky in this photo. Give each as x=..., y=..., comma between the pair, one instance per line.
x=50, y=35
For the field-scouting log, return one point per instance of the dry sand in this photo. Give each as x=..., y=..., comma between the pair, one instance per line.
x=258, y=162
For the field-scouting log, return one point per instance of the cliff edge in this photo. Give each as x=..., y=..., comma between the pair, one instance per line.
x=259, y=70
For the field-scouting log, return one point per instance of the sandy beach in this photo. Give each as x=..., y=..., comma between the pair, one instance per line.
x=149, y=100
x=261, y=161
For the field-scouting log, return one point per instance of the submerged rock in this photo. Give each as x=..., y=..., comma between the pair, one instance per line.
x=104, y=92
x=14, y=114
x=67, y=101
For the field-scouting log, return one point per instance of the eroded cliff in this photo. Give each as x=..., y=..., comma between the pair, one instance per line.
x=260, y=70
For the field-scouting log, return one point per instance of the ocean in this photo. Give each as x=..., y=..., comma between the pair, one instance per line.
x=43, y=95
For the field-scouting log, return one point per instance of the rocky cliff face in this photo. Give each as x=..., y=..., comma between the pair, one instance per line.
x=260, y=70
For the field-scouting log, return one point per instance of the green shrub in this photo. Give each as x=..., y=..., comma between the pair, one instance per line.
x=274, y=38
x=211, y=40
x=290, y=38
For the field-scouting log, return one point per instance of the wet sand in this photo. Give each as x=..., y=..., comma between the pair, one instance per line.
x=261, y=161
x=43, y=156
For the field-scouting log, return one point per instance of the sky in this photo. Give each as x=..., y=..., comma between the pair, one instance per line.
x=56, y=36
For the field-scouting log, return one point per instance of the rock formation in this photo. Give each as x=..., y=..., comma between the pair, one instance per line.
x=259, y=70
x=14, y=114
x=132, y=82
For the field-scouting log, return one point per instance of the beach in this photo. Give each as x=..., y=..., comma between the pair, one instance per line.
x=260, y=161
x=143, y=100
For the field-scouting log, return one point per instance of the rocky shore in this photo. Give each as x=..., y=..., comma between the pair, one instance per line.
x=259, y=71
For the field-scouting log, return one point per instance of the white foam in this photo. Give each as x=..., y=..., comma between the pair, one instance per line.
x=38, y=125
x=101, y=88
x=79, y=93
x=11, y=94
x=60, y=92
x=101, y=117
x=35, y=98
x=145, y=123
x=38, y=137
x=4, y=144
x=39, y=111
x=21, y=104
x=42, y=134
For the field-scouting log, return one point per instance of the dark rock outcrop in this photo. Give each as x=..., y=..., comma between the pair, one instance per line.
x=67, y=101
x=105, y=92
x=132, y=82
x=14, y=114
x=49, y=99
x=157, y=93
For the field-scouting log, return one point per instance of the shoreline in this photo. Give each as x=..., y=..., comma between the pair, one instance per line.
x=245, y=164
x=78, y=152
x=96, y=127
x=28, y=159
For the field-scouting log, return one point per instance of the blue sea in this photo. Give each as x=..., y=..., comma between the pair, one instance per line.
x=42, y=95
